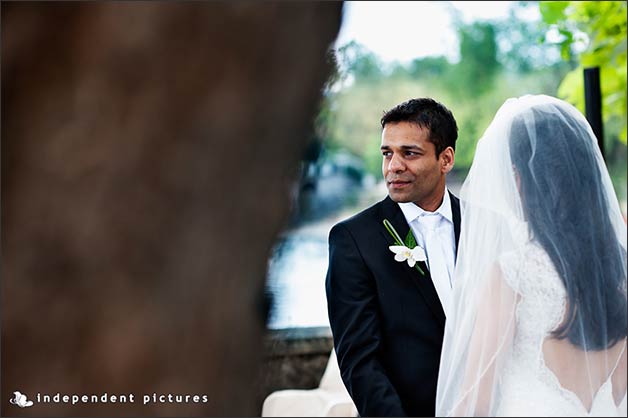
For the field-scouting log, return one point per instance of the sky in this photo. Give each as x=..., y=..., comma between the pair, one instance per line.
x=405, y=30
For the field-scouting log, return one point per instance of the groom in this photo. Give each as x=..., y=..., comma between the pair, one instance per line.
x=388, y=318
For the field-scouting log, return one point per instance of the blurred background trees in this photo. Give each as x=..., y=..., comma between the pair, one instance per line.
x=497, y=59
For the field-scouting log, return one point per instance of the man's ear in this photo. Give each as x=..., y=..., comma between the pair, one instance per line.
x=446, y=159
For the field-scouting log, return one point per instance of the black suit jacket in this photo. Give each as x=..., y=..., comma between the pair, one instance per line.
x=386, y=319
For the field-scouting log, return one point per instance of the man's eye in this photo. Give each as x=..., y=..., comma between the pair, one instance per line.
x=386, y=153
x=411, y=153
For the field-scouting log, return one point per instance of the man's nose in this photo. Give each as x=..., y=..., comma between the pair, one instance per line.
x=396, y=164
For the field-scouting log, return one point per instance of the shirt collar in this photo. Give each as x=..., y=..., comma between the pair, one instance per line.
x=412, y=211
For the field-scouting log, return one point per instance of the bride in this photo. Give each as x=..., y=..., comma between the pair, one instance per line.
x=539, y=320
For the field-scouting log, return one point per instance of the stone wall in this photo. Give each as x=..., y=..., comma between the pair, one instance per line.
x=294, y=358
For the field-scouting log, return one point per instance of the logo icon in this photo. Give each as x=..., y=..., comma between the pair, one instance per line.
x=20, y=400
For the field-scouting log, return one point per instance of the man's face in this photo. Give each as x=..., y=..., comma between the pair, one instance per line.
x=410, y=167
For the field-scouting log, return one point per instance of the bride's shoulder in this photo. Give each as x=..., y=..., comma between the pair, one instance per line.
x=531, y=252
x=528, y=262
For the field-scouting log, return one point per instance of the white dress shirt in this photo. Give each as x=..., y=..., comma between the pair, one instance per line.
x=434, y=232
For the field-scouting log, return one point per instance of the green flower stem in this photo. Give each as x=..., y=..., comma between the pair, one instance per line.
x=392, y=232
x=419, y=268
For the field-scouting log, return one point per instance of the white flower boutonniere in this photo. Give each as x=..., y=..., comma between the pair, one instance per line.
x=407, y=251
x=403, y=253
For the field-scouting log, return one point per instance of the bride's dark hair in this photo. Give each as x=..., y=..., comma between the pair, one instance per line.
x=567, y=210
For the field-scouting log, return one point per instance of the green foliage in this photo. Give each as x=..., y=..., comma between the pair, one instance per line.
x=410, y=241
x=520, y=49
x=478, y=58
x=427, y=67
x=604, y=24
x=359, y=62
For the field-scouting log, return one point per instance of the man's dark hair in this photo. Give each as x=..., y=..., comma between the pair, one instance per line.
x=429, y=114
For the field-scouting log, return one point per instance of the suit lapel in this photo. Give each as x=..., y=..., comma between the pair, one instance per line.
x=455, y=214
x=423, y=283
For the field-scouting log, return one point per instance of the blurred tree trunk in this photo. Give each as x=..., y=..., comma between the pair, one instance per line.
x=149, y=153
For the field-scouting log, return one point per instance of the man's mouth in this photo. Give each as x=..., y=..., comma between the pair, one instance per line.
x=398, y=184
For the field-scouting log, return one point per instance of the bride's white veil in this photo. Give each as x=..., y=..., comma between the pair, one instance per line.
x=538, y=181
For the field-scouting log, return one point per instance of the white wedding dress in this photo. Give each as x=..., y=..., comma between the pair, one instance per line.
x=528, y=385
x=522, y=339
